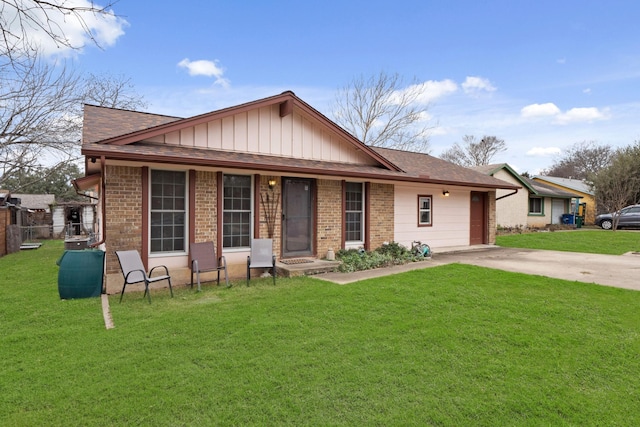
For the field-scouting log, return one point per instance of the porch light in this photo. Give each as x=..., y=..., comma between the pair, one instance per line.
x=445, y=193
x=272, y=183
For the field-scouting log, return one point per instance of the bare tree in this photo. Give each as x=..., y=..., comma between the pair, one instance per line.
x=20, y=19
x=581, y=161
x=41, y=110
x=382, y=112
x=618, y=184
x=111, y=91
x=34, y=115
x=473, y=152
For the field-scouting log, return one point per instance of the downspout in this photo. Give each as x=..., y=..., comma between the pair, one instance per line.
x=103, y=186
x=506, y=195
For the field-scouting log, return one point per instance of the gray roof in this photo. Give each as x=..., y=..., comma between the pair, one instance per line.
x=571, y=184
x=547, y=190
x=35, y=201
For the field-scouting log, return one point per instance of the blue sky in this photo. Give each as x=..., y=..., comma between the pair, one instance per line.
x=542, y=75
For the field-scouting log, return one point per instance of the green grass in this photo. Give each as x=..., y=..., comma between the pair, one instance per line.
x=589, y=241
x=450, y=345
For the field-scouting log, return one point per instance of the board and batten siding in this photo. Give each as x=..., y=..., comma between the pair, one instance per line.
x=450, y=216
x=263, y=131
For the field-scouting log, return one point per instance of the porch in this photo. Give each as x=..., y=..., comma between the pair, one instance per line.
x=305, y=267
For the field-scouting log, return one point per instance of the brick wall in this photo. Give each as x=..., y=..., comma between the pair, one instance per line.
x=382, y=214
x=329, y=227
x=123, y=200
x=270, y=203
x=491, y=238
x=206, y=206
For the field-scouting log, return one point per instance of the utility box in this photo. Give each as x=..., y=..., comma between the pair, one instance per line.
x=76, y=244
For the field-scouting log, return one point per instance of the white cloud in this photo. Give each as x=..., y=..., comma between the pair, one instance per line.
x=474, y=85
x=205, y=68
x=575, y=115
x=430, y=90
x=561, y=60
x=587, y=91
x=540, y=110
x=543, y=151
x=105, y=29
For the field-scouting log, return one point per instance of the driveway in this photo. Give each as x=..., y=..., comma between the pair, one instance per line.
x=622, y=271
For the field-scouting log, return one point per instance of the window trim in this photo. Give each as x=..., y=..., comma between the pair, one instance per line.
x=530, y=213
x=150, y=210
x=361, y=211
x=251, y=211
x=420, y=210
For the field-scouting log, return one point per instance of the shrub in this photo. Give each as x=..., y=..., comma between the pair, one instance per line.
x=384, y=256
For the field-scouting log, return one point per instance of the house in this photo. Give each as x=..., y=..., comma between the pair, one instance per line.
x=34, y=217
x=587, y=207
x=275, y=167
x=537, y=206
x=74, y=218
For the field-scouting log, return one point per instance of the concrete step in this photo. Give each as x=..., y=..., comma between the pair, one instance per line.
x=306, y=267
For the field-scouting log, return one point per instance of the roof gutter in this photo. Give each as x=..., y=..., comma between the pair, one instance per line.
x=290, y=169
x=506, y=195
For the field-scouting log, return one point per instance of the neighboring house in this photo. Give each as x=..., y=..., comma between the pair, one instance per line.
x=536, y=205
x=576, y=186
x=274, y=167
x=549, y=204
x=74, y=218
x=34, y=218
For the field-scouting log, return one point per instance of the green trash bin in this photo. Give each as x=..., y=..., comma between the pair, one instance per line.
x=81, y=274
x=578, y=222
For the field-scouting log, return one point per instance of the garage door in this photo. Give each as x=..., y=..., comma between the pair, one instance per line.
x=557, y=209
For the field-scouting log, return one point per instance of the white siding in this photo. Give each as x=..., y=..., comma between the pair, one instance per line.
x=450, y=216
x=511, y=211
x=263, y=131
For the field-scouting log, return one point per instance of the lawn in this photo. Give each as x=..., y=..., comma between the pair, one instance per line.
x=450, y=345
x=589, y=241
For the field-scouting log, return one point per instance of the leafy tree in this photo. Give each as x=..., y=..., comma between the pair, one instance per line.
x=618, y=184
x=581, y=161
x=40, y=180
x=382, y=112
x=473, y=152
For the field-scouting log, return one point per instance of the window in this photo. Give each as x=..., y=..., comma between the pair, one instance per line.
x=535, y=206
x=354, y=212
x=424, y=211
x=236, y=218
x=168, y=211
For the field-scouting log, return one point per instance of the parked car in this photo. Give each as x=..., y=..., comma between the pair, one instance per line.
x=628, y=217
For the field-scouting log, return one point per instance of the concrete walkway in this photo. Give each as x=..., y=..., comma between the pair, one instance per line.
x=621, y=271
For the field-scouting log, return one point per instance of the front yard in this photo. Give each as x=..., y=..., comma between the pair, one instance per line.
x=590, y=241
x=451, y=345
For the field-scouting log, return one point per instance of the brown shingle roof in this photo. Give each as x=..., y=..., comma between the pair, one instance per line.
x=100, y=123
x=102, y=126
x=438, y=170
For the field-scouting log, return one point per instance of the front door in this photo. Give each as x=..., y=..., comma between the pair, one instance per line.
x=297, y=217
x=478, y=223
